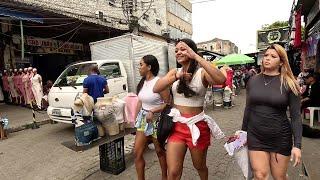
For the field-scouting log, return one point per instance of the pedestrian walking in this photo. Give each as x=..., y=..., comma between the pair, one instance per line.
x=192, y=129
x=95, y=85
x=37, y=90
x=150, y=105
x=270, y=133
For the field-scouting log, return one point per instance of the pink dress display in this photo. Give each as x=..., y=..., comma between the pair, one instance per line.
x=21, y=87
x=5, y=83
x=37, y=89
x=26, y=85
x=13, y=91
x=16, y=84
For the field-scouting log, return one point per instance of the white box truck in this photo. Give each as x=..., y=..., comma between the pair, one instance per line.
x=118, y=60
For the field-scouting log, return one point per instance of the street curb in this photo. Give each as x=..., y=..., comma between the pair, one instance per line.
x=27, y=126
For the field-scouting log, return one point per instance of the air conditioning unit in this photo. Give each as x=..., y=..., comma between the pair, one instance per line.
x=99, y=15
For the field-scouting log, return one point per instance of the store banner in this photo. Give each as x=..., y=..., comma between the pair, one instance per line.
x=267, y=37
x=50, y=43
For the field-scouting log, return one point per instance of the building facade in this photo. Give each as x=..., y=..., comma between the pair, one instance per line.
x=218, y=45
x=58, y=32
x=168, y=18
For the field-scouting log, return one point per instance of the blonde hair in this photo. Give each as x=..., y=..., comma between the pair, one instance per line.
x=286, y=76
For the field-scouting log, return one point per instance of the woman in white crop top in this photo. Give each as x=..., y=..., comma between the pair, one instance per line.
x=150, y=105
x=191, y=129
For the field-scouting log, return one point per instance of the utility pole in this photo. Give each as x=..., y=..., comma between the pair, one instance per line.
x=130, y=12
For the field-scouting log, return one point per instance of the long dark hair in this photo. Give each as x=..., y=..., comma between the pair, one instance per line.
x=152, y=61
x=182, y=86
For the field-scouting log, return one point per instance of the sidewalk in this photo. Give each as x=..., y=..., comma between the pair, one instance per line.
x=20, y=117
x=311, y=157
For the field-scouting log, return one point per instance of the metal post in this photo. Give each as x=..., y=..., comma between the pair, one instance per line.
x=22, y=41
x=34, y=124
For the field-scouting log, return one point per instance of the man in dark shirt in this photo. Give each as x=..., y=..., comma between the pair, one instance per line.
x=95, y=85
x=311, y=97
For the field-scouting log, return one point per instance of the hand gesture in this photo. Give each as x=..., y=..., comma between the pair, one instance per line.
x=184, y=75
x=188, y=52
x=295, y=156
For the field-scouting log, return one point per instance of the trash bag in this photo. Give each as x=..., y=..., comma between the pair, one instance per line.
x=165, y=126
x=242, y=157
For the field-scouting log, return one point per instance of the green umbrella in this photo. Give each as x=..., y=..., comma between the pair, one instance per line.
x=234, y=59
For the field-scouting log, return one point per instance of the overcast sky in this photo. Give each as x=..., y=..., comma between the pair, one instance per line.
x=236, y=20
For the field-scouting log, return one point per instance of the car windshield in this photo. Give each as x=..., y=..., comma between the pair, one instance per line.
x=74, y=75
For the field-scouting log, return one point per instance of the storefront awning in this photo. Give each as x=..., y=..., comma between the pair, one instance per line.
x=20, y=15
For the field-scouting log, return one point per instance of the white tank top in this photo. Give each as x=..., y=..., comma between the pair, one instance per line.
x=197, y=86
x=146, y=95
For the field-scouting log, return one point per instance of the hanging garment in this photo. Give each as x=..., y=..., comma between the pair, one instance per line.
x=5, y=83
x=27, y=90
x=21, y=87
x=13, y=90
x=131, y=108
x=37, y=89
x=30, y=86
x=16, y=84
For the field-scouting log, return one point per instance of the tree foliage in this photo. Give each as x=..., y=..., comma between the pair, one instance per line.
x=277, y=24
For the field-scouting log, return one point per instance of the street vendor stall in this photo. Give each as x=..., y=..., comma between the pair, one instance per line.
x=103, y=125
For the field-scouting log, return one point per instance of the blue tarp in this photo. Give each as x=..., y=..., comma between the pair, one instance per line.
x=20, y=15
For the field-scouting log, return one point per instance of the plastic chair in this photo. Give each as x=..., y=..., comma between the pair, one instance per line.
x=311, y=110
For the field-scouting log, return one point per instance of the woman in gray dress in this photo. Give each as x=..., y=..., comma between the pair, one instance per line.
x=270, y=133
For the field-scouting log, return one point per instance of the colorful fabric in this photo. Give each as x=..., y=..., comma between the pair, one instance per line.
x=142, y=125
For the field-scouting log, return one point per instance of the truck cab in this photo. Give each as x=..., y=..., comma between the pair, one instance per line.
x=68, y=86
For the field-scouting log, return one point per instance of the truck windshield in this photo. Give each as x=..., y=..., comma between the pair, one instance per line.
x=74, y=75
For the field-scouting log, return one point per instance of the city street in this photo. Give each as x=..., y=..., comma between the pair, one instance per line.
x=38, y=154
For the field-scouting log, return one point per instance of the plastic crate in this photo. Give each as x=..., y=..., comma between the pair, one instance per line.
x=112, y=157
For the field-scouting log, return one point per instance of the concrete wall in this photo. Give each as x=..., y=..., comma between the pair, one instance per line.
x=84, y=9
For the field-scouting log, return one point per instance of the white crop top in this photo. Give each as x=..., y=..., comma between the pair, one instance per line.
x=197, y=86
x=146, y=95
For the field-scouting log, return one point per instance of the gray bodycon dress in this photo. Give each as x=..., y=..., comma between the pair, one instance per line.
x=265, y=118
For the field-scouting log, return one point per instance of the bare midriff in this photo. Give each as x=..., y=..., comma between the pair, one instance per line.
x=189, y=110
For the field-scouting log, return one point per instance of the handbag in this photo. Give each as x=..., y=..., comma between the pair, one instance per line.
x=165, y=126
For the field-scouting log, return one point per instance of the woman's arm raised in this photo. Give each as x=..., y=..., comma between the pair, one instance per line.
x=165, y=81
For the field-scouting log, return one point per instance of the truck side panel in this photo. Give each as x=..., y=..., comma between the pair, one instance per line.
x=143, y=46
x=115, y=48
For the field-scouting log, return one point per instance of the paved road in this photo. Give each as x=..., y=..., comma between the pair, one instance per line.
x=38, y=154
